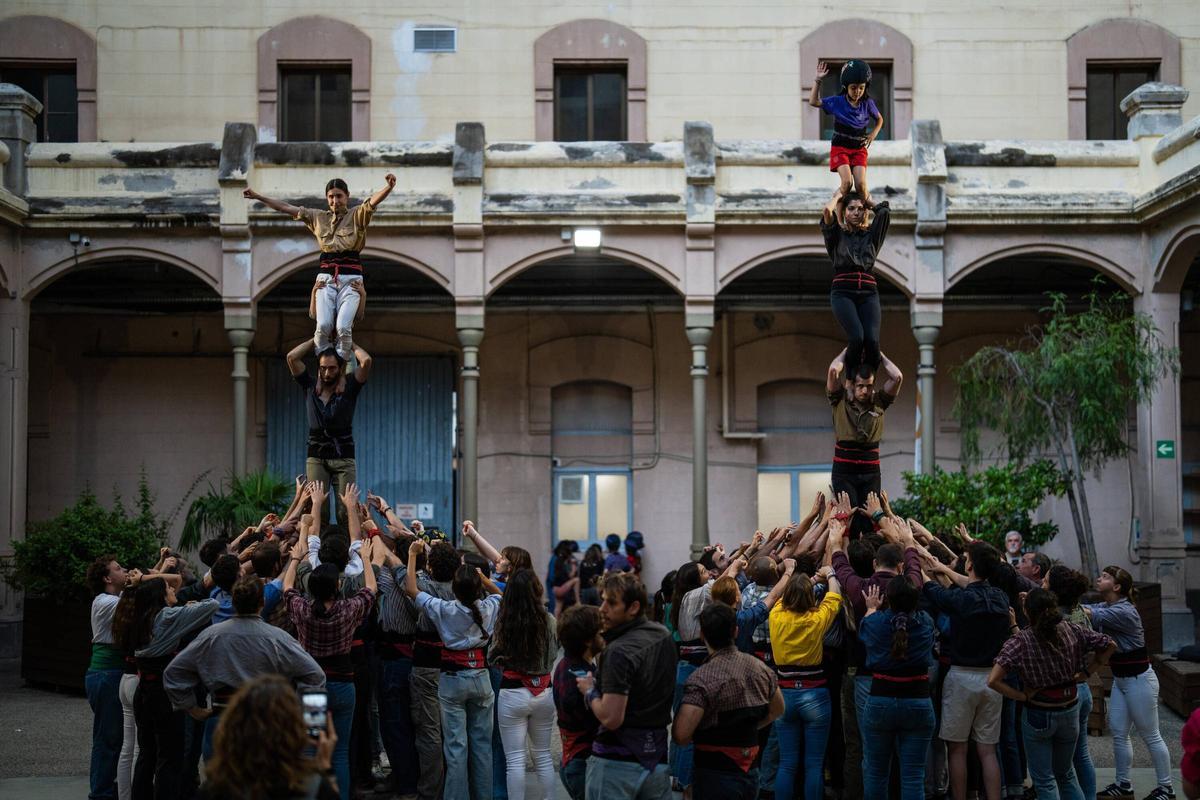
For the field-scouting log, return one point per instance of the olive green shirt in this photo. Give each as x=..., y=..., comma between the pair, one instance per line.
x=343, y=233
x=852, y=423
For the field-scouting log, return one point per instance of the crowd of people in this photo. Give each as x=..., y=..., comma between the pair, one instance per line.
x=895, y=663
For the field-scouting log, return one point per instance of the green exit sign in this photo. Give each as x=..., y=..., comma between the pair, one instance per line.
x=1165, y=448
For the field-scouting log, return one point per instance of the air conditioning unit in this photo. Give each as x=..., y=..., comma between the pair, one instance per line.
x=571, y=488
x=435, y=40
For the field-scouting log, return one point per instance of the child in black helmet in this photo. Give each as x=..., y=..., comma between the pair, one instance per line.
x=853, y=111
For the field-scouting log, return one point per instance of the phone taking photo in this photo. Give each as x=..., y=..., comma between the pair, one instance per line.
x=315, y=708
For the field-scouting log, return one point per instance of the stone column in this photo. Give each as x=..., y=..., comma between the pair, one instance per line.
x=699, y=336
x=18, y=110
x=1154, y=109
x=926, y=327
x=240, y=338
x=470, y=339
x=14, y=437
x=1158, y=483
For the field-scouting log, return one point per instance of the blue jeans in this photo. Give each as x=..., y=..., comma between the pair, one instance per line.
x=210, y=730
x=805, y=722
x=899, y=726
x=574, y=777
x=1085, y=770
x=679, y=756
x=608, y=780
x=103, y=694
x=395, y=723
x=1134, y=704
x=499, y=764
x=1050, y=738
x=768, y=764
x=341, y=706
x=718, y=784
x=1012, y=777
x=467, y=700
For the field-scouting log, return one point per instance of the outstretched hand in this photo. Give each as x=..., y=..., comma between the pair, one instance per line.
x=822, y=70
x=871, y=597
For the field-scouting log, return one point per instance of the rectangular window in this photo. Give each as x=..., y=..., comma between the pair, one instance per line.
x=589, y=104
x=314, y=104
x=880, y=91
x=435, y=40
x=54, y=87
x=785, y=494
x=1107, y=86
x=589, y=504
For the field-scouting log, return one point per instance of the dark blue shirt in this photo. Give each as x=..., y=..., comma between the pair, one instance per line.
x=748, y=620
x=875, y=633
x=330, y=425
x=851, y=124
x=979, y=622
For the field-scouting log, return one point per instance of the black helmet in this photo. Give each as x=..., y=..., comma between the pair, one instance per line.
x=855, y=71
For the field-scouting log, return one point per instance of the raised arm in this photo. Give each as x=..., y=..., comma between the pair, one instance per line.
x=295, y=357
x=814, y=97
x=892, y=376
x=299, y=550
x=353, y=522
x=381, y=195
x=481, y=544
x=833, y=379
x=371, y=559
x=277, y=205
x=789, y=567
x=410, y=577
x=364, y=364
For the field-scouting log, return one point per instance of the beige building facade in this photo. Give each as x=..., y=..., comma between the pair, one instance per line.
x=668, y=381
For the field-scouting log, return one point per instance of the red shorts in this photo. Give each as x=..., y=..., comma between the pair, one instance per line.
x=850, y=156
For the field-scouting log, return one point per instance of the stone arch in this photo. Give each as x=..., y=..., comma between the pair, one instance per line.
x=812, y=355
x=1115, y=40
x=1110, y=269
x=589, y=41
x=858, y=38
x=1178, y=255
x=40, y=279
x=312, y=40
x=35, y=38
x=654, y=268
x=572, y=359
x=268, y=280
x=893, y=275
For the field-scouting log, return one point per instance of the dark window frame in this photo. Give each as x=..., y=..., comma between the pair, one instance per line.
x=1119, y=122
x=47, y=68
x=590, y=69
x=831, y=85
x=289, y=69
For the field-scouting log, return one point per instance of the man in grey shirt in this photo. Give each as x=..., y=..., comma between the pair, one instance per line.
x=228, y=654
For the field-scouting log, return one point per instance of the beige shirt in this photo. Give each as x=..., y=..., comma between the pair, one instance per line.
x=344, y=233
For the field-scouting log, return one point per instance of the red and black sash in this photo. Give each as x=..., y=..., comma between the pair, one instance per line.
x=856, y=457
x=911, y=682
x=732, y=744
x=336, y=263
x=693, y=651
x=536, y=684
x=1130, y=663
x=853, y=280
x=575, y=743
x=427, y=650
x=800, y=677
x=456, y=660
x=392, y=645
x=1055, y=698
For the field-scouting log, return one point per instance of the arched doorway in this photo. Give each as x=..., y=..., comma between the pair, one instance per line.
x=128, y=373
x=404, y=421
x=1189, y=396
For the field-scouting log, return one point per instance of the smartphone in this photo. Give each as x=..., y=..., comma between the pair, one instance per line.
x=580, y=673
x=315, y=708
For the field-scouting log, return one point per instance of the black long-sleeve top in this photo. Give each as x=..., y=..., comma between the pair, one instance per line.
x=853, y=251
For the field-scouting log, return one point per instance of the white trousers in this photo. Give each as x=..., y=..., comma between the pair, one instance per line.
x=129, y=745
x=519, y=713
x=337, y=306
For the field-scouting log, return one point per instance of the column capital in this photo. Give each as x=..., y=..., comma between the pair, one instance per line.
x=699, y=336
x=470, y=337
x=1154, y=109
x=241, y=316
x=18, y=129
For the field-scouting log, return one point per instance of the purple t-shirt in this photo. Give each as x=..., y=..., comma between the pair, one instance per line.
x=850, y=123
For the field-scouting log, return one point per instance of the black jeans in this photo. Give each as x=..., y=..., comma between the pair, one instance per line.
x=362, y=755
x=160, y=733
x=858, y=485
x=857, y=311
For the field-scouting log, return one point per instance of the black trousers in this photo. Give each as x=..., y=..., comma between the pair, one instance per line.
x=857, y=311
x=858, y=485
x=362, y=755
x=158, y=772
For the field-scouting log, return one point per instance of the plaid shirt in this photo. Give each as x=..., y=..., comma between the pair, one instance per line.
x=1041, y=665
x=331, y=634
x=727, y=681
x=753, y=593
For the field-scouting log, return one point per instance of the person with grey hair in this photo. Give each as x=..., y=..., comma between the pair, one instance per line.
x=1014, y=542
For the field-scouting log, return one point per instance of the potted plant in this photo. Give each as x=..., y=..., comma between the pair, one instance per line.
x=50, y=566
x=229, y=508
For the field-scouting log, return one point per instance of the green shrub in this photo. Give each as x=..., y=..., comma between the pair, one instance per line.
x=990, y=502
x=52, y=560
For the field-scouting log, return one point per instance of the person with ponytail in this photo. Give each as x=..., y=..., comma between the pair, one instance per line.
x=1049, y=656
x=898, y=718
x=465, y=624
x=325, y=624
x=1134, y=698
x=525, y=649
x=1068, y=586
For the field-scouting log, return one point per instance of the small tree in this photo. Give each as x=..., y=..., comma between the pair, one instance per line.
x=238, y=502
x=1066, y=390
x=989, y=502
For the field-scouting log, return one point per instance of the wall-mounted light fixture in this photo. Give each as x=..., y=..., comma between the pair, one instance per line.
x=586, y=239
